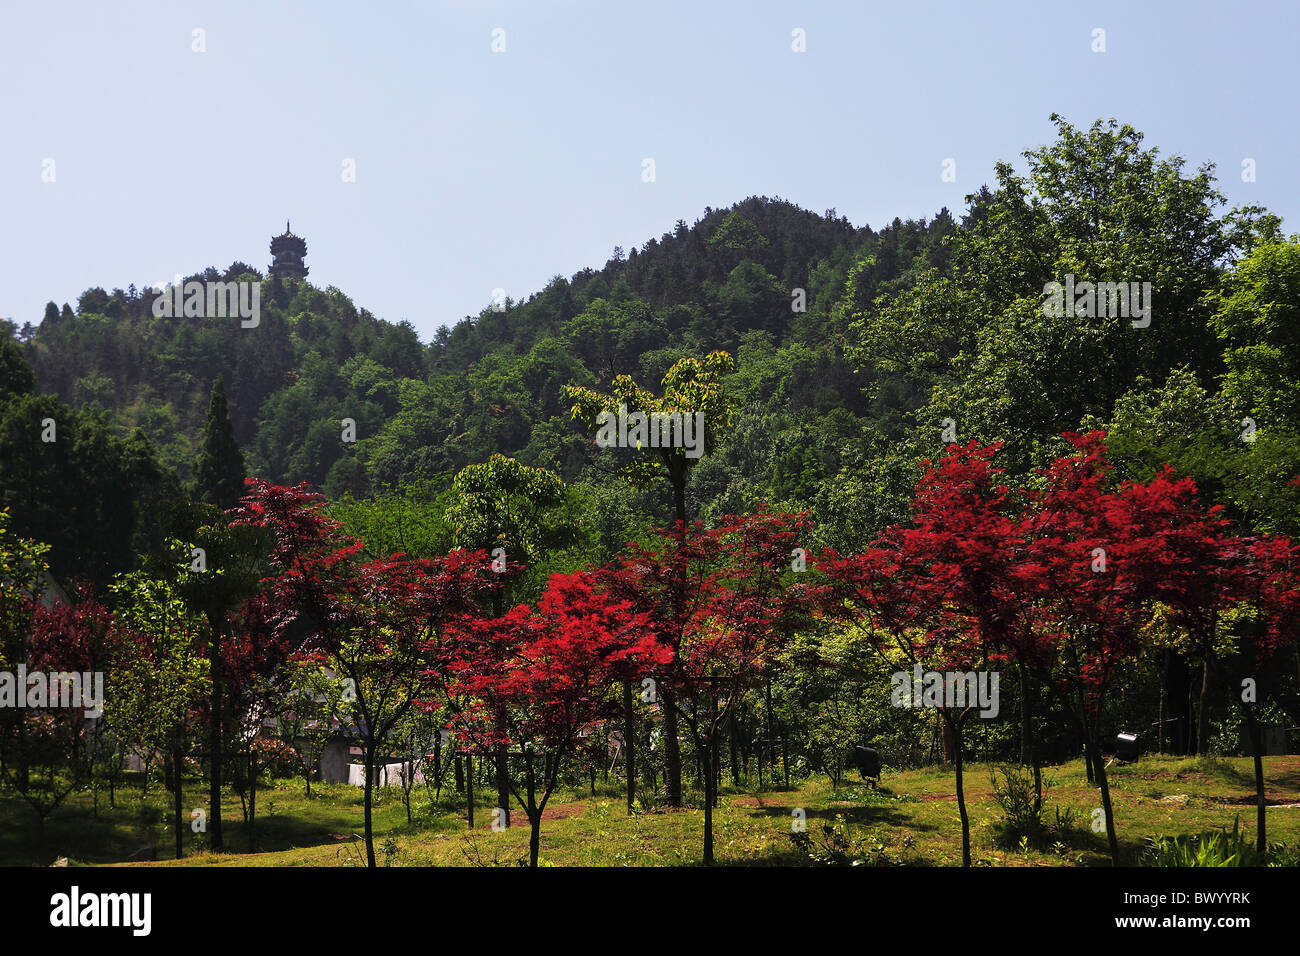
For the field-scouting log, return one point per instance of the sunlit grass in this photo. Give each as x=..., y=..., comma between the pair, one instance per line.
x=910, y=820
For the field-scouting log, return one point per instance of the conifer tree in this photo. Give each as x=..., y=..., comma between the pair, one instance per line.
x=219, y=471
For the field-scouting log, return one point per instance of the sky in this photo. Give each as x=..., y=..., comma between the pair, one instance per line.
x=128, y=155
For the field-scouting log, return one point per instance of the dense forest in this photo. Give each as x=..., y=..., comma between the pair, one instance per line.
x=853, y=356
x=851, y=346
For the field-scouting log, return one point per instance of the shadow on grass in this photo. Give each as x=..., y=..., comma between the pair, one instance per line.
x=74, y=832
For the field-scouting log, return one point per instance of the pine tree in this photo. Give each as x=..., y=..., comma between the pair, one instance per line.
x=219, y=471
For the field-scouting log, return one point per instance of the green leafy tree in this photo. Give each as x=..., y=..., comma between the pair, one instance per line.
x=691, y=386
x=1096, y=205
x=16, y=376
x=1257, y=317
x=226, y=563
x=316, y=706
x=517, y=514
x=507, y=505
x=159, y=677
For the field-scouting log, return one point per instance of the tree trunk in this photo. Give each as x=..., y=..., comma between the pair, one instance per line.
x=708, y=803
x=735, y=756
x=503, y=785
x=785, y=761
x=437, y=768
x=178, y=764
x=961, y=793
x=1024, y=716
x=1180, y=731
x=629, y=744
x=1027, y=746
x=215, y=840
x=946, y=735
x=1256, y=748
x=1087, y=740
x=252, y=800
x=717, y=769
x=368, y=800
x=1164, y=702
x=672, y=752
x=469, y=788
x=1201, y=716
x=534, y=814
x=1095, y=755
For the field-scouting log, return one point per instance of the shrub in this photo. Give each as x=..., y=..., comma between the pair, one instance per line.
x=834, y=848
x=1216, y=848
x=837, y=846
x=1022, y=807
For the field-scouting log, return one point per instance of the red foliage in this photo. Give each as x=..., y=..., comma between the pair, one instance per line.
x=77, y=636
x=721, y=601
x=540, y=675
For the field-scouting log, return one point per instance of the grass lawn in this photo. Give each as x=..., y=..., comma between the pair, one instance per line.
x=911, y=820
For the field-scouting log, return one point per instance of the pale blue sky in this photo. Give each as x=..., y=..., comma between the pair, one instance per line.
x=478, y=170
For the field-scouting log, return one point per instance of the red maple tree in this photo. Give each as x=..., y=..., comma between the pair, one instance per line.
x=722, y=602
x=372, y=619
x=537, y=679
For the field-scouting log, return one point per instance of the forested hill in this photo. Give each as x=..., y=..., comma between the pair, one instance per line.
x=856, y=354
x=488, y=383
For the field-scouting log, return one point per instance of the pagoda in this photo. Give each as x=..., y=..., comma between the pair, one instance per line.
x=288, y=252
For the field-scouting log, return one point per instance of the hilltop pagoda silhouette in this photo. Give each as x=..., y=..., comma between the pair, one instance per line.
x=288, y=252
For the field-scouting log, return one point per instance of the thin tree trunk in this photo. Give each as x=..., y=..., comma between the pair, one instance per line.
x=503, y=785
x=1096, y=757
x=1256, y=747
x=785, y=761
x=469, y=788
x=368, y=801
x=1027, y=732
x=437, y=769
x=629, y=744
x=735, y=756
x=534, y=815
x=177, y=763
x=708, y=804
x=215, y=839
x=1164, y=701
x=252, y=801
x=1024, y=716
x=1087, y=742
x=961, y=793
x=1201, y=715
x=672, y=752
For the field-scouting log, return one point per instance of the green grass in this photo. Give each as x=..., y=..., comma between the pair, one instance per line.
x=911, y=820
